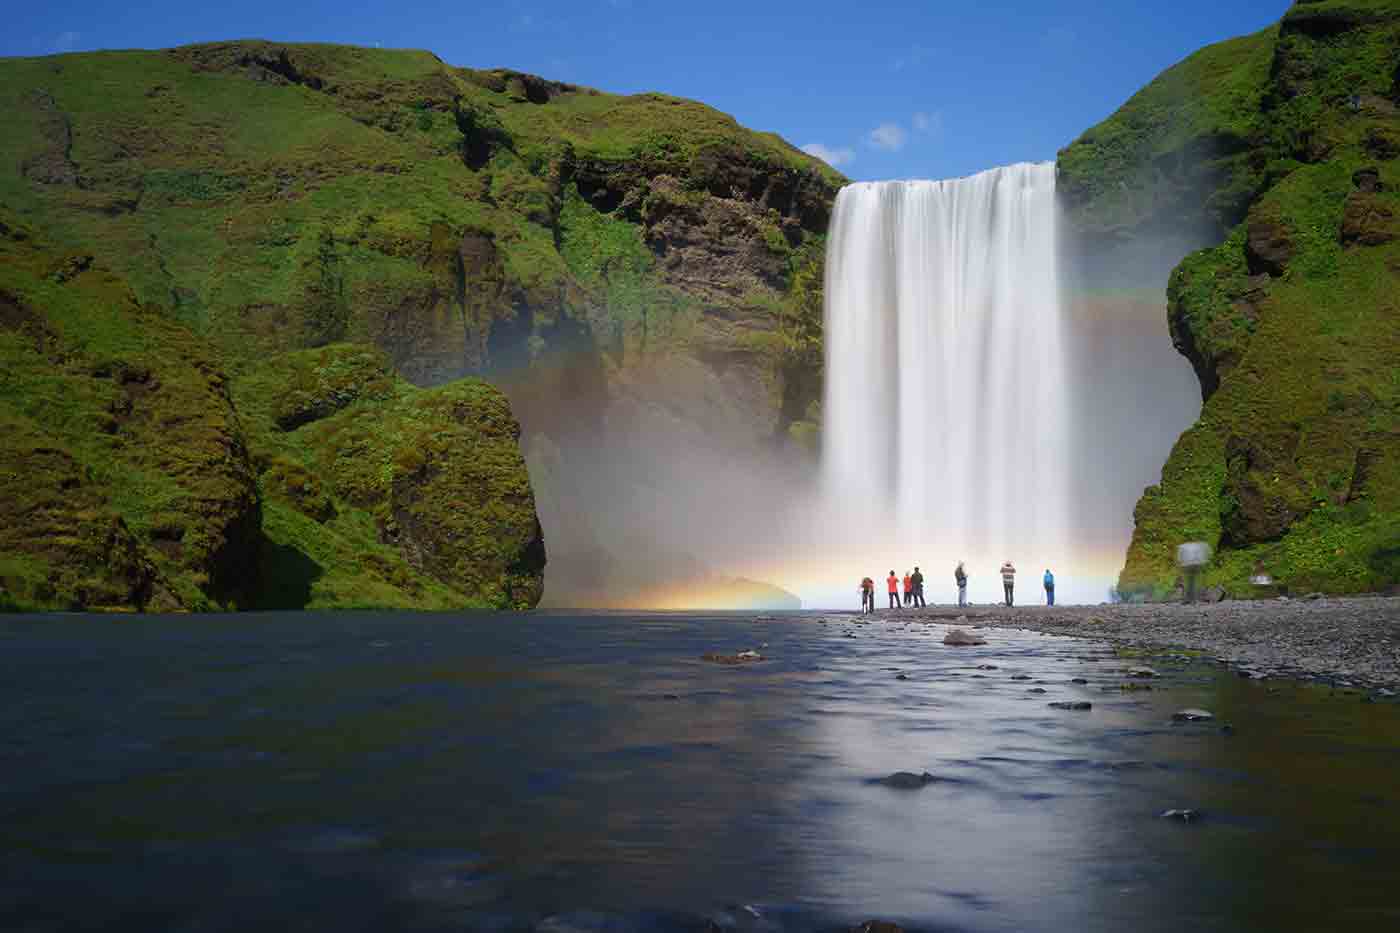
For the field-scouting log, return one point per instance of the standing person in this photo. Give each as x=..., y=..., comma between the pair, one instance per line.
x=1008, y=580
x=1049, y=587
x=919, y=589
x=893, y=582
x=908, y=589
x=960, y=577
x=867, y=596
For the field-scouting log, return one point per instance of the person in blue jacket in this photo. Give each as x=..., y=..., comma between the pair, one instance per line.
x=1049, y=587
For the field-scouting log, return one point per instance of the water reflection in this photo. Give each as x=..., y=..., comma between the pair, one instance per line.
x=410, y=772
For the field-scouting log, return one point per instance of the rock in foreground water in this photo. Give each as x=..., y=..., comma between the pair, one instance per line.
x=908, y=780
x=960, y=637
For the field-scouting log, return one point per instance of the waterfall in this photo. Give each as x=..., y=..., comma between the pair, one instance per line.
x=945, y=424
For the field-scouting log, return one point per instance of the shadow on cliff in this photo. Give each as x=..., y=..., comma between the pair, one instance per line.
x=285, y=577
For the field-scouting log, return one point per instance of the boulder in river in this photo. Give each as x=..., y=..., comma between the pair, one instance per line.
x=960, y=637
x=907, y=780
x=1072, y=704
x=1192, y=715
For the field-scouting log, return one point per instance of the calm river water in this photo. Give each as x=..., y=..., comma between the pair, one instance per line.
x=589, y=772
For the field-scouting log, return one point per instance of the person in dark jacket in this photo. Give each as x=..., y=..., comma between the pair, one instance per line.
x=918, y=588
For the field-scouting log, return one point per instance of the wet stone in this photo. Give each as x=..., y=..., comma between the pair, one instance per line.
x=1078, y=680
x=1036, y=690
x=1020, y=676
x=907, y=780
x=1181, y=816
x=1072, y=704
x=1192, y=715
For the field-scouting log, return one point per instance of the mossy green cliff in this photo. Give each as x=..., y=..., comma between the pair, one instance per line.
x=1282, y=146
x=247, y=288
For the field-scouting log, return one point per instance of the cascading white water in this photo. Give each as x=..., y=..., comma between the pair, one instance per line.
x=946, y=384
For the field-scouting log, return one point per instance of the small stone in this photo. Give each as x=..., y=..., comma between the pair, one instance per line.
x=1142, y=672
x=1078, y=680
x=1181, y=816
x=1020, y=676
x=1072, y=704
x=960, y=638
x=986, y=667
x=902, y=677
x=1036, y=690
x=878, y=926
x=907, y=780
x=1192, y=715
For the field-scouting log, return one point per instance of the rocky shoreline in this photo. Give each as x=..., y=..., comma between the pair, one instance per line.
x=1348, y=641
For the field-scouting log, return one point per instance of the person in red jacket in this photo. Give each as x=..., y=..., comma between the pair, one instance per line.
x=908, y=590
x=893, y=582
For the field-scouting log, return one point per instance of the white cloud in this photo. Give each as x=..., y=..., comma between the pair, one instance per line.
x=928, y=122
x=832, y=157
x=888, y=136
x=66, y=41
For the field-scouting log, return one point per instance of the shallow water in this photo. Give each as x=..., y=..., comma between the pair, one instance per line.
x=557, y=771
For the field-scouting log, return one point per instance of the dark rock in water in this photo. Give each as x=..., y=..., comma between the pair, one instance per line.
x=1181, y=816
x=1192, y=715
x=986, y=667
x=1072, y=704
x=902, y=677
x=907, y=780
x=742, y=657
x=961, y=638
x=1078, y=680
x=878, y=926
x=1036, y=690
x=1020, y=676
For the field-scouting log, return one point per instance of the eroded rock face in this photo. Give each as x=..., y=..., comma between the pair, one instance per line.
x=1268, y=246
x=1368, y=220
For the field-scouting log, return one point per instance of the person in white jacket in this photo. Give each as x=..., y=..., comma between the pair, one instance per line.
x=1008, y=579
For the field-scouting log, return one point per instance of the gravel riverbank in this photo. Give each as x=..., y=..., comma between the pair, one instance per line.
x=1348, y=640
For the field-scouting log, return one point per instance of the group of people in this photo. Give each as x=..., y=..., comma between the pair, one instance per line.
x=913, y=587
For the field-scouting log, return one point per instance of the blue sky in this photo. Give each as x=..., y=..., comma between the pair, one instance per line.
x=887, y=89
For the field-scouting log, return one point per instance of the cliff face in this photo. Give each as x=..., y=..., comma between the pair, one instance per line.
x=1279, y=147
x=332, y=227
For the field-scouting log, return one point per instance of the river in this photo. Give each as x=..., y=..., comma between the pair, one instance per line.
x=557, y=771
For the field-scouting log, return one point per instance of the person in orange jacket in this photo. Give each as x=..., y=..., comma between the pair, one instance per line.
x=893, y=582
x=908, y=589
